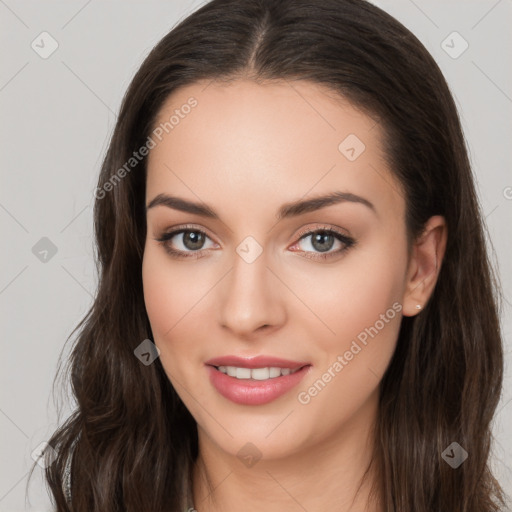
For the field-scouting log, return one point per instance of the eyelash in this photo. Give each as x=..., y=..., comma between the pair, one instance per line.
x=348, y=241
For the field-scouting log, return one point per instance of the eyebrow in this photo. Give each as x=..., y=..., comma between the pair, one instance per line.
x=288, y=210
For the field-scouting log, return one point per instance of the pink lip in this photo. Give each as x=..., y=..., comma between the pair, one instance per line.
x=251, y=391
x=255, y=362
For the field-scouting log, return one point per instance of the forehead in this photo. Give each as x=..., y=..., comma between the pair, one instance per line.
x=266, y=144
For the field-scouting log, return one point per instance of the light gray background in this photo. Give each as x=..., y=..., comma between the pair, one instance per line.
x=57, y=115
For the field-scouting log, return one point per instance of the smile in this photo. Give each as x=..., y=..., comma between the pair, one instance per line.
x=254, y=386
x=256, y=373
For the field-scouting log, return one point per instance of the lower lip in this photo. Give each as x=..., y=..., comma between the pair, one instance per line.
x=254, y=392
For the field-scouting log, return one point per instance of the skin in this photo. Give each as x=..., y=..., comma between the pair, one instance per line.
x=246, y=149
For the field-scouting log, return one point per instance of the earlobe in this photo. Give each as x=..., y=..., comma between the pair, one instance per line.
x=425, y=265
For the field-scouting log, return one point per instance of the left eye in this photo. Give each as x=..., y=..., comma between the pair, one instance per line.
x=324, y=240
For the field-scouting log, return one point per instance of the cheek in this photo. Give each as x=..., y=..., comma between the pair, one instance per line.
x=157, y=293
x=171, y=291
x=359, y=301
x=350, y=295
x=361, y=304
x=169, y=299
x=177, y=296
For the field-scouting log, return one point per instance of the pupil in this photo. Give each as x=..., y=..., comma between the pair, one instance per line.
x=319, y=241
x=193, y=240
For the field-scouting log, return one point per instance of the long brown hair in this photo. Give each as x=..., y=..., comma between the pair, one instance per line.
x=130, y=443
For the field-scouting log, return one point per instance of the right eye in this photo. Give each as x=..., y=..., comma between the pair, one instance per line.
x=190, y=242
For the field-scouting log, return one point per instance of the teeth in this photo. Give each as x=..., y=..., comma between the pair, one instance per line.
x=274, y=372
x=243, y=373
x=255, y=373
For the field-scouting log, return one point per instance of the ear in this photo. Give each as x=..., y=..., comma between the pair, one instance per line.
x=424, y=265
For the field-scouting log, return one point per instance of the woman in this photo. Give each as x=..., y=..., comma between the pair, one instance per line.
x=295, y=307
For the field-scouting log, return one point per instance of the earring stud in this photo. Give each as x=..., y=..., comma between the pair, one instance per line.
x=418, y=306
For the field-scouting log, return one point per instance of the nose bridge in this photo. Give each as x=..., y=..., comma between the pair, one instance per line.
x=249, y=299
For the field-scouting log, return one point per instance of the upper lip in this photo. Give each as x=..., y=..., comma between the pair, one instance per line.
x=255, y=362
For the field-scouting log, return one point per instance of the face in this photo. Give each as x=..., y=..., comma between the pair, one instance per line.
x=319, y=285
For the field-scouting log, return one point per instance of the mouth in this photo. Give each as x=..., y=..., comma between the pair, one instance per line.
x=255, y=386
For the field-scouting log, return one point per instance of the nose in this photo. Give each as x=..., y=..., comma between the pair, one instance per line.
x=250, y=299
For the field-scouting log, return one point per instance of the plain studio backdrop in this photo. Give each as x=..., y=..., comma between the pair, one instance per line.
x=65, y=67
